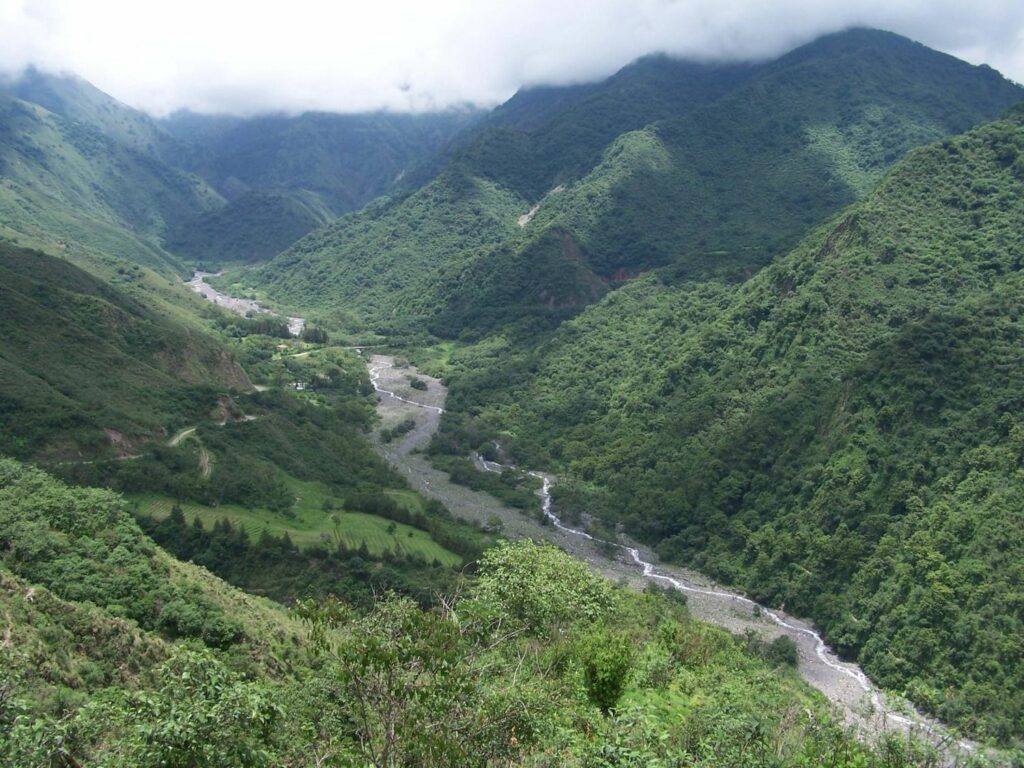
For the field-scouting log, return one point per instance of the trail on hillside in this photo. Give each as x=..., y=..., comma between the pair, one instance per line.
x=857, y=700
x=205, y=459
x=181, y=436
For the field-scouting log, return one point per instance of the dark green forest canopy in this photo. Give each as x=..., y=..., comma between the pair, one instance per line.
x=343, y=161
x=841, y=433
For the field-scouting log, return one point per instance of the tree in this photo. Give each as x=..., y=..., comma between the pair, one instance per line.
x=543, y=587
x=606, y=658
x=423, y=688
x=201, y=716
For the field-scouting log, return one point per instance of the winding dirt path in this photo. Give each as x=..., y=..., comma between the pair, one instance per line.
x=181, y=436
x=859, y=702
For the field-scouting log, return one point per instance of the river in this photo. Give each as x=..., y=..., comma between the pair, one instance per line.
x=242, y=307
x=857, y=700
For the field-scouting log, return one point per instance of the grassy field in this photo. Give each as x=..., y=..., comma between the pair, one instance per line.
x=312, y=525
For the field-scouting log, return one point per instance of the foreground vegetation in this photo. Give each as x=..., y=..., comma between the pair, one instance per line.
x=534, y=662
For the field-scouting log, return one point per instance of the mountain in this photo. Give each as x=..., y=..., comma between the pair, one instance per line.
x=702, y=170
x=79, y=101
x=82, y=171
x=286, y=175
x=839, y=434
x=546, y=136
x=763, y=317
x=255, y=226
x=85, y=367
x=345, y=160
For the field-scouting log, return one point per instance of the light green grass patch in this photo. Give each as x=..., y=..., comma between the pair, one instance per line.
x=312, y=525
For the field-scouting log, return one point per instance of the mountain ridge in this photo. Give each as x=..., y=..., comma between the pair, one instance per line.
x=717, y=190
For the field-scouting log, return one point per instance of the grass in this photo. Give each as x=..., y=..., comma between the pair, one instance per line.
x=432, y=360
x=313, y=525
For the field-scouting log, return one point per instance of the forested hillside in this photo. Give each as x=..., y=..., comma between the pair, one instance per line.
x=706, y=170
x=87, y=369
x=106, y=637
x=256, y=226
x=546, y=136
x=286, y=175
x=344, y=160
x=89, y=176
x=838, y=434
x=105, y=391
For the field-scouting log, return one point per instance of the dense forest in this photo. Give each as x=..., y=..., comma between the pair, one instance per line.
x=838, y=434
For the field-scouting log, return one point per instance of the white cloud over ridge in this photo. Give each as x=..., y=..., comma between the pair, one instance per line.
x=255, y=56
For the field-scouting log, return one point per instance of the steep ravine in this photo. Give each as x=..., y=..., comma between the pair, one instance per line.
x=859, y=701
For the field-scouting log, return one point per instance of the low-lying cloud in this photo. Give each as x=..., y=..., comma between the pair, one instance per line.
x=245, y=58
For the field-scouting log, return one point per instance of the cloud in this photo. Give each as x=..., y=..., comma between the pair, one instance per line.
x=248, y=57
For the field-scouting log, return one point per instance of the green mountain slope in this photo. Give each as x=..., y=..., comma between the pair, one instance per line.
x=395, y=251
x=286, y=175
x=255, y=226
x=77, y=100
x=543, y=137
x=85, y=366
x=344, y=160
x=89, y=177
x=839, y=433
x=734, y=165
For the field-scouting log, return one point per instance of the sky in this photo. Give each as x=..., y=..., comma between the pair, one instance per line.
x=265, y=56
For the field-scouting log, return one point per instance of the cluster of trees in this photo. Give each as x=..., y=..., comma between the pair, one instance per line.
x=404, y=427
x=456, y=536
x=273, y=566
x=83, y=545
x=516, y=489
x=257, y=325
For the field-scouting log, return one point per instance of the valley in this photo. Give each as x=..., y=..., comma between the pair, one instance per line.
x=844, y=684
x=671, y=416
x=863, y=705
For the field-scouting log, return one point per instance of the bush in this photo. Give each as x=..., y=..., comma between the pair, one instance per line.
x=606, y=658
